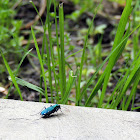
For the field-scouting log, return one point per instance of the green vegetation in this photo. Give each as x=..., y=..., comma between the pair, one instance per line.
x=84, y=6
x=10, y=41
x=93, y=93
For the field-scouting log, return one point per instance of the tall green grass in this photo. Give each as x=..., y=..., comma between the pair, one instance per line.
x=56, y=66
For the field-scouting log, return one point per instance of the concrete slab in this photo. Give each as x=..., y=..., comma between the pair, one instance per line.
x=18, y=122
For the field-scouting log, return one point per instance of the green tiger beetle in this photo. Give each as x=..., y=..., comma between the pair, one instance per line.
x=50, y=110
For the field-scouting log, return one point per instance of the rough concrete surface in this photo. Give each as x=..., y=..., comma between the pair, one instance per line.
x=19, y=121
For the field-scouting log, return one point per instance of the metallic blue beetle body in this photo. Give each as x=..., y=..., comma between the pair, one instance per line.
x=50, y=110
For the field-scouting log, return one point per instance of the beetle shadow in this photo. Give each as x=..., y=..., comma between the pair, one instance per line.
x=53, y=115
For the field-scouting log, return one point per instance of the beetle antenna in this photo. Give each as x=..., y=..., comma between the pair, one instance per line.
x=39, y=111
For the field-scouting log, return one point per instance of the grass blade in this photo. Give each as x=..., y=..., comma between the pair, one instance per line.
x=70, y=83
x=37, y=12
x=58, y=50
x=29, y=85
x=120, y=32
x=17, y=71
x=61, y=26
x=43, y=46
x=47, y=48
x=41, y=63
x=51, y=49
x=133, y=90
x=11, y=75
x=135, y=108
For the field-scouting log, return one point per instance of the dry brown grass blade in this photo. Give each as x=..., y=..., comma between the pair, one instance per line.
x=16, y=4
x=25, y=42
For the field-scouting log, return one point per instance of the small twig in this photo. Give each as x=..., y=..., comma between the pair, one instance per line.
x=24, y=42
x=16, y=4
x=41, y=11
